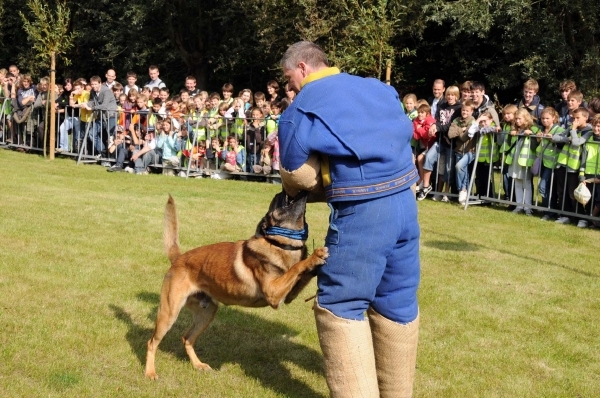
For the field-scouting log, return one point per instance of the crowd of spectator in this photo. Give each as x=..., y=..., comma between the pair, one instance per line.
x=459, y=135
x=132, y=127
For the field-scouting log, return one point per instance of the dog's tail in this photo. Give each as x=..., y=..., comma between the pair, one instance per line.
x=171, y=231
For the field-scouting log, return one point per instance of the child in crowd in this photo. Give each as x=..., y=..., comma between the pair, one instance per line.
x=574, y=101
x=167, y=142
x=568, y=165
x=531, y=103
x=565, y=88
x=122, y=104
x=143, y=150
x=464, y=148
x=131, y=79
x=548, y=153
x=520, y=159
x=465, y=91
x=246, y=96
x=117, y=89
x=227, y=91
x=140, y=115
x=264, y=164
x=236, y=116
x=255, y=134
x=219, y=124
x=410, y=101
x=591, y=165
x=197, y=118
x=505, y=141
x=259, y=99
x=233, y=155
x=421, y=125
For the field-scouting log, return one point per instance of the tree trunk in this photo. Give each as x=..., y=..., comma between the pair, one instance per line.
x=52, y=99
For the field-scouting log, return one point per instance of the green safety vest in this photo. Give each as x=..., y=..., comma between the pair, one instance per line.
x=489, y=149
x=526, y=156
x=570, y=156
x=592, y=162
x=547, y=150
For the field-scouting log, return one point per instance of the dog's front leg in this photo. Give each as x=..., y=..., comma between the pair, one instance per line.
x=276, y=290
x=304, y=280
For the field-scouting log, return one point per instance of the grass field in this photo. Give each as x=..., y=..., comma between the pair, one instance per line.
x=509, y=304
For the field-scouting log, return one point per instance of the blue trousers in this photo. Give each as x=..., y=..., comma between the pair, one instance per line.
x=373, y=258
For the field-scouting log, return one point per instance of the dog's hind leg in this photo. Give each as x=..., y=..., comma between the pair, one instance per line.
x=172, y=300
x=203, y=312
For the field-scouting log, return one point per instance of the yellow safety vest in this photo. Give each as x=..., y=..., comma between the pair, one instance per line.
x=592, y=162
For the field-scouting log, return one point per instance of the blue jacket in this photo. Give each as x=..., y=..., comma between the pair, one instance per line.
x=360, y=131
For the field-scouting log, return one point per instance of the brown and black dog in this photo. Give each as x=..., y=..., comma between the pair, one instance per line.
x=269, y=268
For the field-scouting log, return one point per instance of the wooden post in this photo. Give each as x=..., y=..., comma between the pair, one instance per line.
x=52, y=99
x=388, y=72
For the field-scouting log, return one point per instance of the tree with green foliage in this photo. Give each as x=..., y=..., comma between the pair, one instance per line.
x=50, y=37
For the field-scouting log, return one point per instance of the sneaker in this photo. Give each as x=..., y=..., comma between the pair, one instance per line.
x=142, y=173
x=129, y=169
x=563, y=220
x=437, y=198
x=445, y=199
x=105, y=164
x=529, y=213
x=115, y=169
x=59, y=150
x=462, y=197
x=582, y=224
x=182, y=174
x=423, y=194
x=517, y=211
x=419, y=187
x=547, y=217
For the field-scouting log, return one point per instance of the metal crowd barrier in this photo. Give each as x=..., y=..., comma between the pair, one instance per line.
x=497, y=187
x=90, y=141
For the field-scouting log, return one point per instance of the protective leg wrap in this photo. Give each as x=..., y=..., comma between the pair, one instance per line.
x=395, y=346
x=348, y=355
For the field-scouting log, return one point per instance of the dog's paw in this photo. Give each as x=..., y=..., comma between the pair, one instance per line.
x=320, y=255
x=151, y=375
x=202, y=366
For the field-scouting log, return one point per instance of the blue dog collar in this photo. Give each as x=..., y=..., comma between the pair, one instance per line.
x=289, y=233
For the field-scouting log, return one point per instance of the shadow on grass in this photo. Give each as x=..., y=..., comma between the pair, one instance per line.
x=260, y=347
x=476, y=246
x=457, y=245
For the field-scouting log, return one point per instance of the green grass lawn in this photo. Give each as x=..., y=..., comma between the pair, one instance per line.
x=509, y=304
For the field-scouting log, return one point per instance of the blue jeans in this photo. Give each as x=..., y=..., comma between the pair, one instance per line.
x=70, y=122
x=544, y=185
x=431, y=158
x=462, y=169
x=96, y=129
x=373, y=258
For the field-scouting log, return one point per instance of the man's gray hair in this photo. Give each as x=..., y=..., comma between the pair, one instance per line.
x=304, y=51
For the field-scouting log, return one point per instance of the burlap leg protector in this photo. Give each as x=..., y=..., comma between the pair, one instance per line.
x=395, y=347
x=347, y=354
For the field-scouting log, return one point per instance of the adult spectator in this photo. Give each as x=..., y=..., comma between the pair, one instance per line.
x=373, y=237
x=439, y=87
x=190, y=86
x=273, y=91
x=111, y=75
x=153, y=72
x=102, y=102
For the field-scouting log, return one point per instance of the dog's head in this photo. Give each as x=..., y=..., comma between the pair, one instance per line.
x=284, y=212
